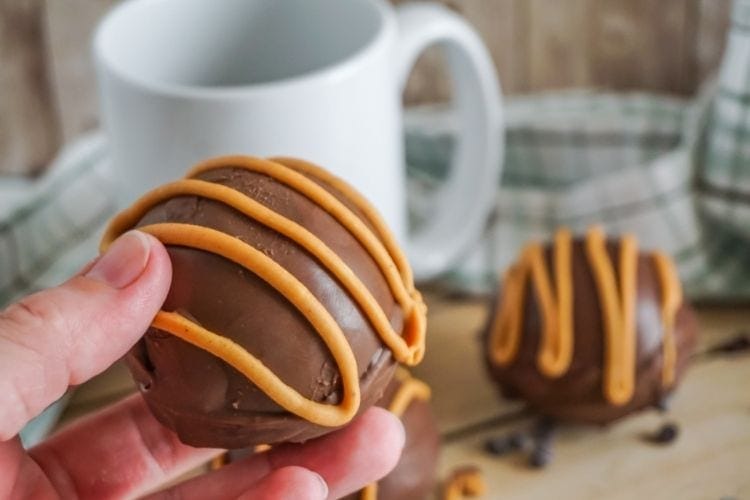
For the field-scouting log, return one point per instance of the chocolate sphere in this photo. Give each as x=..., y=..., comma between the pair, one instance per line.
x=413, y=477
x=289, y=307
x=589, y=329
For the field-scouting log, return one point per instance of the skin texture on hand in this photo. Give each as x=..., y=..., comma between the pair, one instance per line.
x=66, y=335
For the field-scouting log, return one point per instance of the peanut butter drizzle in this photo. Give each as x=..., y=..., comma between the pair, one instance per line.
x=408, y=350
x=463, y=482
x=409, y=390
x=617, y=306
x=618, y=311
x=556, y=350
x=391, y=263
x=671, y=300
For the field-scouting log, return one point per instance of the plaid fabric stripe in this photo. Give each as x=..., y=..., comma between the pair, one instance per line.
x=577, y=159
x=52, y=230
x=724, y=160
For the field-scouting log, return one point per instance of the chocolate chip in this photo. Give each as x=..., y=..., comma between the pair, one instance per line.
x=506, y=444
x=498, y=446
x=739, y=343
x=518, y=440
x=543, y=434
x=666, y=434
x=540, y=457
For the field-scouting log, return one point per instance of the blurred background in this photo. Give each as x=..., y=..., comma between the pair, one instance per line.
x=48, y=94
x=624, y=153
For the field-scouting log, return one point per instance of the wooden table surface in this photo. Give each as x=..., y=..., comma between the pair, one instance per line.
x=709, y=460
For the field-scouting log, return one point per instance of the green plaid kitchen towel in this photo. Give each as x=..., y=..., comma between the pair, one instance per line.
x=583, y=158
x=572, y=158
x=723, y=156
x=49, y=228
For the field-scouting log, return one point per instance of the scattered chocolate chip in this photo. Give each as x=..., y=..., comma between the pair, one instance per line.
x=543, y=434
x=497, y=446
x=666, y=434
x=540, y=457
x=543, y=428
x=738, y=343
x=503, y=445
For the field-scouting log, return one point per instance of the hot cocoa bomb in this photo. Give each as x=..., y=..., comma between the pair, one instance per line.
x=589, y=329
x=289, y=308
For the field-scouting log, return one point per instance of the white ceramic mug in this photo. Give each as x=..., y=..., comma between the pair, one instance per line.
x=184, y=80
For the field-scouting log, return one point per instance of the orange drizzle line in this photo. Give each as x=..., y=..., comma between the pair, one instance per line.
x=556, y=351
x=617, y=313
x=505, y=328
x=369, y=492
x=359, y=201
x=211, y=240
x=466, y=481
x=671, y=299
x=556, y=345
x=403, y=290
x=409, y=390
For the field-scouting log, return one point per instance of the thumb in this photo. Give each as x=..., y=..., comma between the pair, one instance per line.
x=65, y=335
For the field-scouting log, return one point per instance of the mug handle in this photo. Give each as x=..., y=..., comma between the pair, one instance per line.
x=464, y=202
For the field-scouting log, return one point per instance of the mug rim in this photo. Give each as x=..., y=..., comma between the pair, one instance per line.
x=326, y=73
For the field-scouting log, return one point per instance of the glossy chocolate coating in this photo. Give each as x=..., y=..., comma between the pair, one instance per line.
x=207, y=402
x=413, y=478
x=578, y=395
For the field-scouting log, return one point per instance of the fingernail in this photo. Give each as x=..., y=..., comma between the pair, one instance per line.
x=124, y=260
x=323, y=485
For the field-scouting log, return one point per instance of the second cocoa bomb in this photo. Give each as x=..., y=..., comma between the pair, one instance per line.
x=589, y=329
x=290, y=304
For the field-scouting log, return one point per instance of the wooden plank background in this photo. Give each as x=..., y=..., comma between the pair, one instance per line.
x=48, y=94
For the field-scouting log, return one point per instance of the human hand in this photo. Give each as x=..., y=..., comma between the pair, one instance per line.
x=66, y=335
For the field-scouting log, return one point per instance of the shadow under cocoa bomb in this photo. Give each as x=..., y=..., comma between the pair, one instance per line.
x=332, y=271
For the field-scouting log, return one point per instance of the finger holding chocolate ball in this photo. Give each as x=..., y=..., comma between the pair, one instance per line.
x=290, y=304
